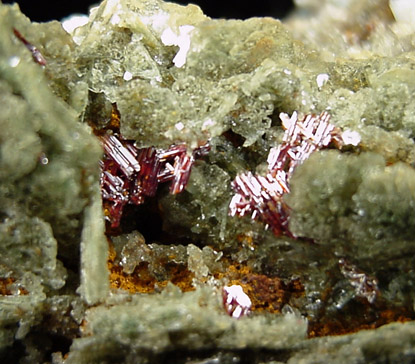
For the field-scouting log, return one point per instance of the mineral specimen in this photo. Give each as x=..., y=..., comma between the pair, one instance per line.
x=128, y=174
x=37, y=56
x=141, y=86
x=263, y=196
x=236, y=301
x=365, y=286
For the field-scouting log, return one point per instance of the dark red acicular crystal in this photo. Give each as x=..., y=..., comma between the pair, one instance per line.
x=37, y=56
x=129, y=174
x=262, y=197
x=365, y=286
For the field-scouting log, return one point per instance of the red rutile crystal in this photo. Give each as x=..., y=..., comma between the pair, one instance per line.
x=181, y=173
x=263, y=196
x=364, y=285
x=125, y=157
x=37, y=56
x=150, y=167
x=129, y=174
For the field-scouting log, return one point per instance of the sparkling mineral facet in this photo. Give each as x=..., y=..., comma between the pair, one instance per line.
x=129, y=174
x=262, y=196
x=236, y=301
x=364, y=285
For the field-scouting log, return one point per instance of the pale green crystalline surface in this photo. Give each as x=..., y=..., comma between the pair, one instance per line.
x=178, y=76
x=193, y=320
x=223, y=84
x=358, y=199
x=48, y=168
x=363, y=347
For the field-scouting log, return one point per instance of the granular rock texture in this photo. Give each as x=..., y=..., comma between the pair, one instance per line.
x=209, y=98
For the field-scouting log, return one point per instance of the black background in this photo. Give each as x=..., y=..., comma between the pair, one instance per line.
x=44, y=10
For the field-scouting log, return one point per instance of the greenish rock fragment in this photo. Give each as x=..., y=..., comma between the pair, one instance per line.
x=221, y=85
x=59, y=170
x=132, y=250
x=193, y=321
x=18, y=316
x=397, y=347
x=327, y=199
x=173, y=75
x=360, y=209
x=386, y=201
x=203, y=262
x=94, y=254
x=348, y=35
x=357, y=198
x=206, y=205
x=28, y=252
x=48, y=169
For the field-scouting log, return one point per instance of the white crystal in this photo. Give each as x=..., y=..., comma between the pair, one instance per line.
x=351, y=137
x=179, y=126
x=403, y=10
x=74, y=21
x=182, y=40
x=157, y=21
x=14, y=61
x=128, y=76
x=236, y=295
x=321, y=79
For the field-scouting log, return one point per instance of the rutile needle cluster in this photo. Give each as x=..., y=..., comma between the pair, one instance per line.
x=262, y=196
x=129, y=174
